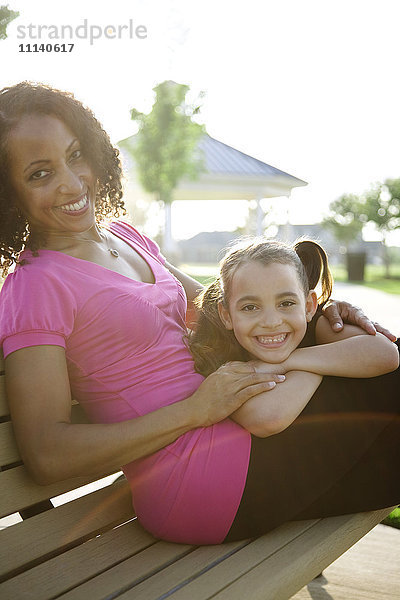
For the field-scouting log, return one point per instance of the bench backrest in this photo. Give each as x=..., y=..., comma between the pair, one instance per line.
x=24, y=544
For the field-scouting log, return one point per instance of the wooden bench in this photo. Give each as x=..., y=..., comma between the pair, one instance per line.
x=93, y=547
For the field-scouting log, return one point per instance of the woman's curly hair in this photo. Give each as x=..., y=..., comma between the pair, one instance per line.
x=28, y=98
x=210, y=343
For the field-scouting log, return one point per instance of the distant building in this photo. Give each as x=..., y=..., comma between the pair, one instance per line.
x=330, y=244
x=206, y=247
x=209, y=246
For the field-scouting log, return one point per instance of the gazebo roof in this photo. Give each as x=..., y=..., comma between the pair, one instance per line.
x=229, y=174
x=221, y=158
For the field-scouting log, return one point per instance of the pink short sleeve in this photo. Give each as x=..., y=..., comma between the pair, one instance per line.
x=36, y=308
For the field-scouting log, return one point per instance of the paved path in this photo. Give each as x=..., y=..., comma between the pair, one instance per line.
x=370, y=570
x=379, y=306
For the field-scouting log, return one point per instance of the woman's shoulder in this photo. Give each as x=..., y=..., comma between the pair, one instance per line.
x=133, y=235
x=34, y=279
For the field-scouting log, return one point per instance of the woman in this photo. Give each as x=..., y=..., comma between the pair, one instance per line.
x=96, y=309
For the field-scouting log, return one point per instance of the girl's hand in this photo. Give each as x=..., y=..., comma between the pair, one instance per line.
x=338, y=312
x=271, y=368
x=225, y=390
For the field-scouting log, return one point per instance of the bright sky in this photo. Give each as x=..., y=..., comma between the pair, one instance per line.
x=308, y=86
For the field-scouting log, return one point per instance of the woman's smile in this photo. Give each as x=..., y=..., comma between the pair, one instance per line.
x=76, y=208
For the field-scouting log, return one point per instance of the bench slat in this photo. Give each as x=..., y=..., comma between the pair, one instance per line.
x=131, y=571
x=206, y=584
x=179, y=573
x=18, y=491
x=307, y=556
x=61, y=527
x=74, y=567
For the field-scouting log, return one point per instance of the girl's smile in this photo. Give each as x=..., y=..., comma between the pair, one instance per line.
x=267, y=310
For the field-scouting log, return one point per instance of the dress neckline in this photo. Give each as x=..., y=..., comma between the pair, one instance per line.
x=90, y=262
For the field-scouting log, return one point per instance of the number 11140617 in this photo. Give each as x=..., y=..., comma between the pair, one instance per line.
x=46, y=47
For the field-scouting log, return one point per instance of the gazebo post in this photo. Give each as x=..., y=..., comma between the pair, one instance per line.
x=260, y=217
x=286, y=225
x=168, y=243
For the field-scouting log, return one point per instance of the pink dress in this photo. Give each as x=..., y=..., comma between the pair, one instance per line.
x=126, y=357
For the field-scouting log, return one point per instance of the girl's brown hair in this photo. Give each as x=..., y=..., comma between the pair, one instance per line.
x=211, y=343
x=28, y=98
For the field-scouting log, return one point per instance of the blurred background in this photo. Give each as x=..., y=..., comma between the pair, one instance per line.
x=271, y=117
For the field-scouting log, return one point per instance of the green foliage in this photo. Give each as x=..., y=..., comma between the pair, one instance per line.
x=393, y=520
x=346, y=219
x=165, y=144
x=381, y=203
x=6, y=16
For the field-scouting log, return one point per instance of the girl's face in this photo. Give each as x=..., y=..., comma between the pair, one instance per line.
x=267, y=310
x=55, y=187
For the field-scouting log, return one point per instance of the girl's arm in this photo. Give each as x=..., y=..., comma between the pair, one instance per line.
x=354, y=354
x=271, y=412
x=350, y=353
x=54, y=449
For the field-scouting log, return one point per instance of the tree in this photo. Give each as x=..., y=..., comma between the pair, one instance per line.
x=381, y=204
x=346, y=219
x=165, y=146
x=6, y=16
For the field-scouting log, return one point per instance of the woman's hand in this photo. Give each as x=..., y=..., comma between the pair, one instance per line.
x=228, y=388
x=338, y=312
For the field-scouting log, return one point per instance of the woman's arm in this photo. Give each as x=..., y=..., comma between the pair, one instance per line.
x=350, y=353
x=270, y=413
x=53, y=449
x=191, y=286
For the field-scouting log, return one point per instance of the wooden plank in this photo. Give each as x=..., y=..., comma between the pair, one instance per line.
x=61, y=528
x=181, y=580
x=179, y=573
x=76, y=566
x=262, y=561
x=307, y=556
x=18, y=491
x=130, y=572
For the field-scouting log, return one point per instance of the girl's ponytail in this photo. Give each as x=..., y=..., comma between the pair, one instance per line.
x=211, y=344
x=315, y=262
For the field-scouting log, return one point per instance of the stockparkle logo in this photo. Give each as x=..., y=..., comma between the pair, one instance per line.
x=85, y=31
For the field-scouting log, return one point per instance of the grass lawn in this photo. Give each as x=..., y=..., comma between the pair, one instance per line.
x=374, y=278
x=393, y=520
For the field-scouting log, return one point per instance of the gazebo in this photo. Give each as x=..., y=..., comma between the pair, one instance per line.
x=228, y=174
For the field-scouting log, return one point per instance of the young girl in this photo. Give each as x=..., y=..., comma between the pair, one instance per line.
x=259, y=309
x=263, y=308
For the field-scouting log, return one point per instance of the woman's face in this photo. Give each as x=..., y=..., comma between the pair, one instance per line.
x=268, y=311
x=55, y=187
